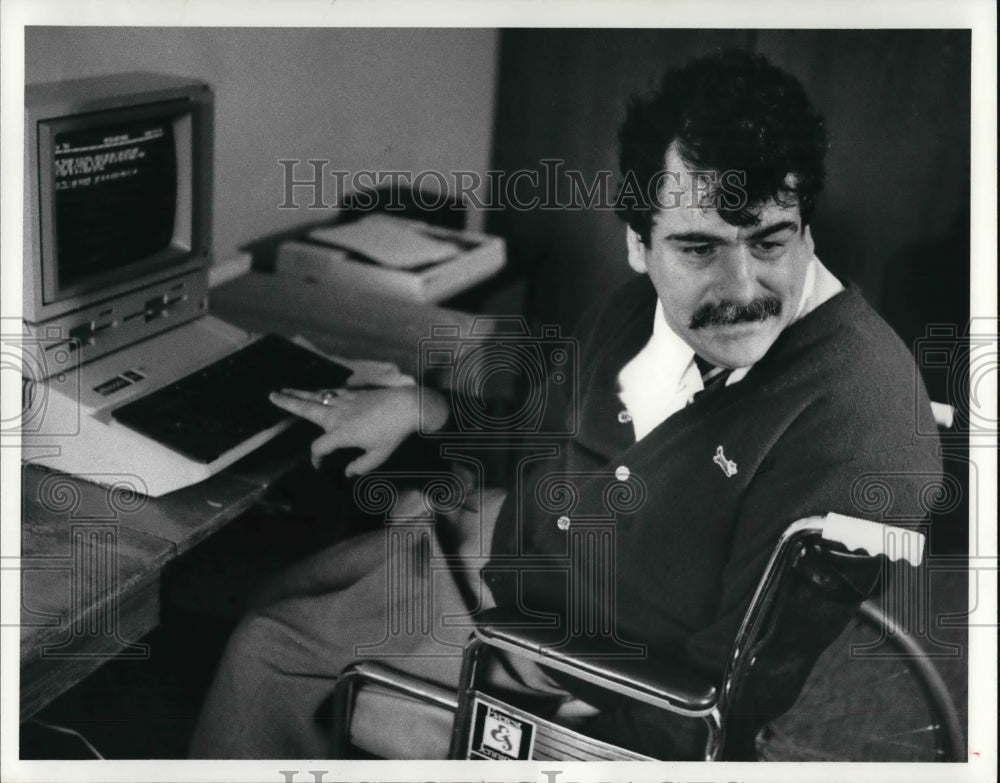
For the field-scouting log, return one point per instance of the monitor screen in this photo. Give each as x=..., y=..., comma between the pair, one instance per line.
x=115, y=197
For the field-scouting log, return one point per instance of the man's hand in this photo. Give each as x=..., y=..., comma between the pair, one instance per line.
x=375, y=420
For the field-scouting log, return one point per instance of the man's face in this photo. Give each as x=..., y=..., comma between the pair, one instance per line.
x=727, y=291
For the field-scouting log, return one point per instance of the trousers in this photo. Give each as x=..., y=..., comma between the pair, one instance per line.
x=372, y=596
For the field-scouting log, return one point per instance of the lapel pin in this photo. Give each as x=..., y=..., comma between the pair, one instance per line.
x=727, y=465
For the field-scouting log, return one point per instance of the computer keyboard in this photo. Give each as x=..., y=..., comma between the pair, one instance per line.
x=215, y=409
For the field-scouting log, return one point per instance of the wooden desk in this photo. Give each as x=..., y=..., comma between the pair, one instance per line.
x=92, y=558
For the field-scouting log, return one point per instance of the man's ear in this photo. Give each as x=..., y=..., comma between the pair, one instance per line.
x=808, y=237
x=636, y=251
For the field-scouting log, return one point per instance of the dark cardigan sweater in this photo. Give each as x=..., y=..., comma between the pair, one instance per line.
x=827, y=421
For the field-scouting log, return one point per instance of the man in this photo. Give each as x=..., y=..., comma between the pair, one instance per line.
x=745, y=388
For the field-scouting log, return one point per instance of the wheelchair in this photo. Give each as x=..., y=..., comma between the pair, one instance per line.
x=819, y=576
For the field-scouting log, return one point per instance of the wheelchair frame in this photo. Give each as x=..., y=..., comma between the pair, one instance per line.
x=809, y=546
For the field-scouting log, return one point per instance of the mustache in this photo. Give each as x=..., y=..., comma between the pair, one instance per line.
x=727, y=313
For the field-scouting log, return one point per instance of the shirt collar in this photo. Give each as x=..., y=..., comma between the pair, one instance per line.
x=673, y=354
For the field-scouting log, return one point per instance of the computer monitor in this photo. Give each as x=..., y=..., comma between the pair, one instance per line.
x=118, y=192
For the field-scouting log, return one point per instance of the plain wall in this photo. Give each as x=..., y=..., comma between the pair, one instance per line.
x=362, y=99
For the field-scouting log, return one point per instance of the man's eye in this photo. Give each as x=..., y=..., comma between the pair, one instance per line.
x=769, y=248
x=698, y=250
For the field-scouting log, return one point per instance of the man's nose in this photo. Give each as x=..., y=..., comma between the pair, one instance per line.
x=739, y=280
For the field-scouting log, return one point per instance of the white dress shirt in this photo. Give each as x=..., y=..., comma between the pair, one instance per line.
x=663, y=377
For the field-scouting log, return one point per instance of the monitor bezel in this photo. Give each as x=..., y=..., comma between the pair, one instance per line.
x=78, y=98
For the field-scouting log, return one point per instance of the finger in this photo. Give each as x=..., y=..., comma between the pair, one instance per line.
x=330, y=396
x=313, y=411
x=302, y=394
x=367, y=461
x=324, y=445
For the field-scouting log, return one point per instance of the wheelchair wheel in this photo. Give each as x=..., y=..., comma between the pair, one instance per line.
x=874, y=695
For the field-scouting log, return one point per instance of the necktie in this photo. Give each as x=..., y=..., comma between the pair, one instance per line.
x=711, y=376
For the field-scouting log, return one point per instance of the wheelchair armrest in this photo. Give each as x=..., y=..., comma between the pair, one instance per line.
x=871, y=538
x=375, y=673
x=667, y=684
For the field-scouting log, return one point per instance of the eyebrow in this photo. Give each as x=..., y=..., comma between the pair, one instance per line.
x=784, y=225
x=697, y=236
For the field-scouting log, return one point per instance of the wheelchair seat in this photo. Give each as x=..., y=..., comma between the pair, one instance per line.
x=818, y=578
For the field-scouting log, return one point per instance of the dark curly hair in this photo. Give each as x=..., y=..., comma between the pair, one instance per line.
x=729, y=112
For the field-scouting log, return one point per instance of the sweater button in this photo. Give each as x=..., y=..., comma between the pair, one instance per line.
x=624, y=417
x=622, y=473
x=563, y=523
